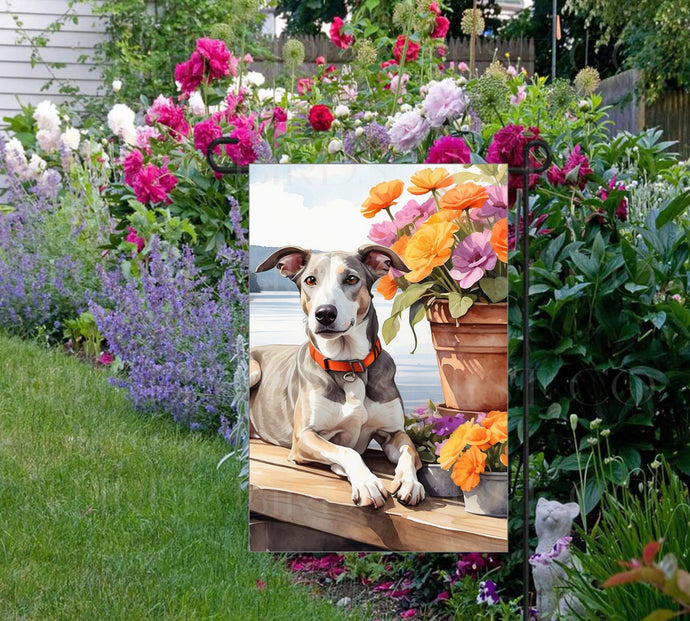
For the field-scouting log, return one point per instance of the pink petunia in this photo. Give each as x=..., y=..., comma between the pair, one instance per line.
x=472, y=258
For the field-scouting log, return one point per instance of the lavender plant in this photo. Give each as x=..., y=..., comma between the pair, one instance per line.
x=177, y=335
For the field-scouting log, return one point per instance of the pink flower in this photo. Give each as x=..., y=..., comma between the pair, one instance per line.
x=463, y=67
x=205, y=133
x=338, y=38
x=248, y=58
x=190, y=74
x=384, y=233
x=132, y=165
x=511, y=71
x=497, y=204
x=433, y=7
x=412, y=48
x=106, y=359
x=472, y=258
x=261, y=585
x=507, y=147
x=574, y=172
x=520, y=96
x=394, y=78
x=217, y=57
x=440, y=27
x=245, y=152
x=388, y=63
x=409, y=614
x=320, y=60
x=448, y=150
x=445, y=101
x=622, y=208
x=153, y=184
x=304, y=85
x=164, y=112
x=415, y=214
x=133, y=238
x=144, y=135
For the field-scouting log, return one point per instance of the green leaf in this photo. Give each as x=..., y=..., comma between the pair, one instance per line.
x=593, y=490
x=390, y=328
x=547, y=370
x=553, y=411
x=496, y=289
x=459, y=304
x=629, y=256
x=660, y=614
x=598, y=248
x=673, y=209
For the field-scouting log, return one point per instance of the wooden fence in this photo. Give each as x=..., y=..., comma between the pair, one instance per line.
x=458, y=50
x=670, y=113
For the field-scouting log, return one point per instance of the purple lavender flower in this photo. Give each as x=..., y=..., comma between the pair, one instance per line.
x=472, y=258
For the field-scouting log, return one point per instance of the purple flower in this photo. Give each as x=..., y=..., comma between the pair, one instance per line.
x=497, y=204
x=415, y=214
x=472, y=258
x=370, y=144
x=487, y=593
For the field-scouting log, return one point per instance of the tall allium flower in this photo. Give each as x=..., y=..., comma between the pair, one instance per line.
x=472, y=21
x=164, y=112
x=408, y=131
x=293, y=54
x=178, y=334
x=445, y=101
x=121, y=123
x=370, y=142
x=587, y=81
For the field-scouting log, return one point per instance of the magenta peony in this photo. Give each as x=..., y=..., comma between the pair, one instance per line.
x=205, y=133
x=448, y=150
x=164, y=112
x=154, y=184
x=338, y=38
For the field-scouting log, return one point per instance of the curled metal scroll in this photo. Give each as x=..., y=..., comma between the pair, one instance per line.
x=525, y=170
x=232, y=170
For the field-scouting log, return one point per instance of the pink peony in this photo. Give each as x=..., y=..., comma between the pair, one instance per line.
x=507, y=147
x=448, y=150
x=338, y=38
x=190, y=74
x=132, y=165
x=412, y=48
x=134, y=238
x=217, y=57
x=445, y=101
x=164, y=112
x=440, y=27
x=246, y=150
x=205, y=133
x=472, y=258
x=153, y=184
x=575, y=171
x=408, y=131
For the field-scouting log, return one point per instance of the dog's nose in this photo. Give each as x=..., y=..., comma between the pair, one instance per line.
x=326, y=314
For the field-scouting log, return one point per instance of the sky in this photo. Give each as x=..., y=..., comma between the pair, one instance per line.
x=318, y=206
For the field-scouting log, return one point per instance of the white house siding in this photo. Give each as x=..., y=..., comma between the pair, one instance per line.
x=18, y=79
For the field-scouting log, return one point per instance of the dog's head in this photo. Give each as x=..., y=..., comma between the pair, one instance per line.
x=335, y=287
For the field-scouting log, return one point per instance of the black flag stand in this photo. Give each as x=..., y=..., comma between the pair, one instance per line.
x=525, y=170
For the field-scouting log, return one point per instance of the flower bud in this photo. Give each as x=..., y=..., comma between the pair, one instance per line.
x=334, y=146
x=573, y=421
x=117, y=85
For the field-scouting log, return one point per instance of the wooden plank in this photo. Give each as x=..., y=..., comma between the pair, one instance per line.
x=314, y=497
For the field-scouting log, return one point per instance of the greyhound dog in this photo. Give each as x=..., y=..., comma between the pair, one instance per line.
x=326, y=399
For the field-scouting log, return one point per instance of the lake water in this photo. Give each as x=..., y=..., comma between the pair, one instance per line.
x=275, y=317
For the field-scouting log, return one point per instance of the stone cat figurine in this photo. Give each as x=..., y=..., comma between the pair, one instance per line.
x=553, y=524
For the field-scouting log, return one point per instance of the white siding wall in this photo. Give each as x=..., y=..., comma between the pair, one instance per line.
x=18, y=78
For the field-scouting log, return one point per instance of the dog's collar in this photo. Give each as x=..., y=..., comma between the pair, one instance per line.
x=356, y=366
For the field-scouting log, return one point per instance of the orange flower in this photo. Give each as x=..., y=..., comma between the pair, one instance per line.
x=428, y=248
x=499, y=239
x=479, y=436
x=492, y=417
x=381, y=196
x=387, y=287
x=464, y=196
x=468, y=468
x=504, y=456
x=400, y=245
x=427, y=179
x=499, y=431
x=453, y=447
x=445, y=215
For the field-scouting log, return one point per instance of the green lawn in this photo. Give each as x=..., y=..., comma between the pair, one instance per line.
x=108, y=514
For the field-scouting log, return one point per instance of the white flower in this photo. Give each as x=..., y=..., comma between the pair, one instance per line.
x=284, y=159
x=70, y=138
x=48, y=139
x=121, y=123
x=37, y=165
x=264, y=94
x=358, y=122
x=408, y=131
x=334, y=146
x=196, y=104
x=254, y=78
x=342, y=111
x=117, y=85
x=359, y=131
x=405, y=108
x=368, y=116
x=583, y=104
x=47, y=116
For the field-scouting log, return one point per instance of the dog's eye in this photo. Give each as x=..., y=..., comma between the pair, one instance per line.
x=310, y=280
x=351, y=280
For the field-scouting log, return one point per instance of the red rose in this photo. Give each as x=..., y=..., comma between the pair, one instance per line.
x=440, y=27
x=412, y=48
x=337, y=37
x=320, y=117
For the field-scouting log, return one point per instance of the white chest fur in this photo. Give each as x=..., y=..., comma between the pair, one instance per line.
x=354, y=422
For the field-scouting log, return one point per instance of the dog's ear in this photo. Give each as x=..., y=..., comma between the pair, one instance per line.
x=380, y=259
x=289, y=261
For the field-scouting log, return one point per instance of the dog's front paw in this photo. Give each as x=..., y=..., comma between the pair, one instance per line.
x=407, y=489
x=368, y=491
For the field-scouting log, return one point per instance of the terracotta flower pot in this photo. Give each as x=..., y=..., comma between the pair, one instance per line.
x=472, y=354
x=490, y=496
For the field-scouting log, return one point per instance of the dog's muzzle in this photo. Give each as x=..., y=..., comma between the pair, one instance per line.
x=326, y=314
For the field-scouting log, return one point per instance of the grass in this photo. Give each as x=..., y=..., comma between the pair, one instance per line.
x=108, y=514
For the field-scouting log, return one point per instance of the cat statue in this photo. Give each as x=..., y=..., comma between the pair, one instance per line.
x=553, y=524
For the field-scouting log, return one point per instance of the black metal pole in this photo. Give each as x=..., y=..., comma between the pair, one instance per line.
x=236, y=170
x=526, y=171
